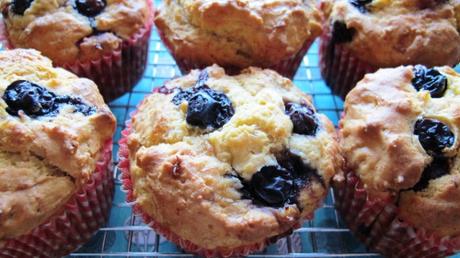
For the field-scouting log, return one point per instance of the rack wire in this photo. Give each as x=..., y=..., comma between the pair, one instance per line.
x=126, y=236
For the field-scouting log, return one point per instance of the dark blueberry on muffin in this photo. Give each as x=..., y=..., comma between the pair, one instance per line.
x=429, y=79
x=434, y=135
x=303, y=118
x=206, y=108
x=341, y=33
x=35, y=100
x=20, y=6
x=273, y=185
x=276, y=186
x=361, y=5
x=90, y=8
x=29, y=97
x=439, y=167
x=302, y=172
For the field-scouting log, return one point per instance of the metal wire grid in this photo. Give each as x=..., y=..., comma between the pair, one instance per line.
x=126, y=235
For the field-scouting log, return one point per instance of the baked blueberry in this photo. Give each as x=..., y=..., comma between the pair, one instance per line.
x=35, y=100
x=90, y=8
x=439, y=167
x=31, y=98
x=303, y=118
x=434, y=135
x=207, y=108
x=20, y=6
x=361, y=5
x=184, y=95
x=429, y=79
x=275, y=186
x=341, y=33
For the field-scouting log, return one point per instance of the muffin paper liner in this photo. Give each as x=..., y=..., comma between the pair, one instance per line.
x=124, y=166
x=376, y=223
x=114, y=73
x=81, y=217
x=340, y=68
x=287, y=67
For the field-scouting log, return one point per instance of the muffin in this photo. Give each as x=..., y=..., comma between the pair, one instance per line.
x=360, y=37
x=224, y=165
x=399, y=135
x=103, y=40
x=236, y=34
x=55, y=157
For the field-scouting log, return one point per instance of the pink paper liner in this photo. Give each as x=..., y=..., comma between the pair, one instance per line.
x=340, y=68
x=117, y=72
x=124, y=166
x=81, y=217
x=377, y=224
x=287, y=67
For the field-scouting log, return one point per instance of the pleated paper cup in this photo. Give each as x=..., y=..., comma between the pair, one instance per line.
x=377, y=223
x=86, y=211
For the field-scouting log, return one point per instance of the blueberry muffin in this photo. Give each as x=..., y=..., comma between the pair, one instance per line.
x=399, y=136
x=236, y=34
x=361, y=36
x=222, y=165
x=55, y=151
x=104, y=40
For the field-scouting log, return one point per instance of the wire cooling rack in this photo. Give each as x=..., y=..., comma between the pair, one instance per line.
x=126, y=236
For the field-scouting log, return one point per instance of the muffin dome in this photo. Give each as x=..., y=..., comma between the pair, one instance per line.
x=66, y=31
x=237, y=33
x=391, y=33
x=228, y=161
x=53, y=126
x=399, y=134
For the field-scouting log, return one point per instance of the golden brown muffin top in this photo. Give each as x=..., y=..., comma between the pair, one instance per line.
x=209, y=183
x=66, y=31
x=237, y=33
x=53, y=126
x=390, y=33
x=404, y=142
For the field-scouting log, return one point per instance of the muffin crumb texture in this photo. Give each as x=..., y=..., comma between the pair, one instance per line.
x=239, y=182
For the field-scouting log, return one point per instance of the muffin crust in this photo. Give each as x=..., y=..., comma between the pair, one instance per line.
x=44, y=160
x=401, y=32
x=182, y=175
x=237, y=33
x=63, y=34
x=379, y=144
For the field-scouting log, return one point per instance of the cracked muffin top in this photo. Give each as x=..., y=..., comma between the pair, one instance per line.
x=71, y=30
x=401, y=32
x=53, y=126
x=237, y=33
x=400, y=134
x=225, y=161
